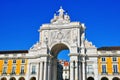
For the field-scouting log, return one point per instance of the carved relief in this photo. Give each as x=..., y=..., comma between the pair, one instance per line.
x=74, y=37
x=67, y=35
x=60, y=35
x=53, y=35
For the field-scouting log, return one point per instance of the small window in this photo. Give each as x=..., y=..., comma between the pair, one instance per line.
x=103, y=68
x=114, y=59
x=33, y=69
x=90, y=69
x=65, y=72
x=23, y=60
x=14, y=61
x=65, y=77
x=115, y=69
x=4, y=70
x=5, y=61
x=13, y=69
x=22, y=69
x=66, y=68
x=103, y=59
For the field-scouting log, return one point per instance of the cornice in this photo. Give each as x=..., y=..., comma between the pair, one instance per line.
x=26, y=57
x=64, y=26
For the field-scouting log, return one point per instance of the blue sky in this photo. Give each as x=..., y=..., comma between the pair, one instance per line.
x=21, y=19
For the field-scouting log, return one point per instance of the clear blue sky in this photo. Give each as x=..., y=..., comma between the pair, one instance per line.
x=21, y=19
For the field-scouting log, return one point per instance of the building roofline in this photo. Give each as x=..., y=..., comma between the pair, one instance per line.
x=13, y=51
x=109, y=48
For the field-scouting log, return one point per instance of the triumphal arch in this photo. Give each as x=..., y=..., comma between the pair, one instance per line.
x=62, y=34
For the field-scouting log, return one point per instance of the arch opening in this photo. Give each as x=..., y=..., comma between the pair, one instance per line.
x=21, y=78
x=115, y=78
x=63, y=55
x=60, y=58
x=90, y=78
x=33, y=78
x=4, y=78
x=104, y=78
x=57, y=48
x=12, y=78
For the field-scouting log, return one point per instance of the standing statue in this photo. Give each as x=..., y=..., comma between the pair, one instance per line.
x=61, y=12
x=82, y=39
x=59, y=71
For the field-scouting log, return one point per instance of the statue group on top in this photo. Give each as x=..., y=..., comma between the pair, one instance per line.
x=61, y=17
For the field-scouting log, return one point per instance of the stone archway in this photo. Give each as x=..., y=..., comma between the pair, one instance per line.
x=12, y=78
x=56, y=68
x=61, y=34
x=90, y=78
x=33, y=78
x=4, y=78
x=115, y=78
x=104, y=78
x=21, y=78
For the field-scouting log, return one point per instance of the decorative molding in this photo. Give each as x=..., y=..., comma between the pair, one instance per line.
x=73, y=54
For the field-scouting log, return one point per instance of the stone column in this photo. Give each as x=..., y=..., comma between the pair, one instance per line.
x=45, y=71
x=54, y=70
x=49, y=70
x=71, y=70
x=95, y=66
x=79, y=71
x=29, y=71
x=83, y=69
x=76, y=70
x=41, y=71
